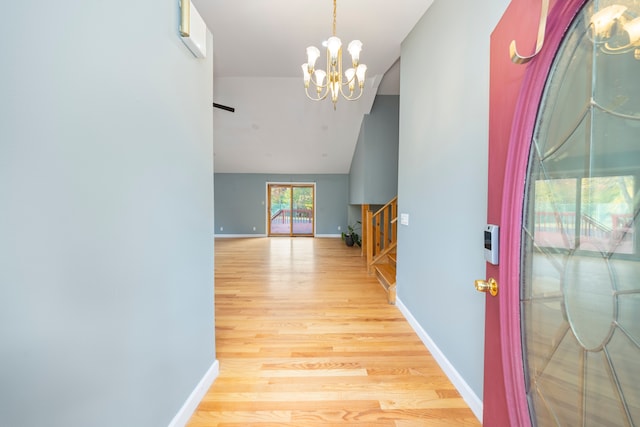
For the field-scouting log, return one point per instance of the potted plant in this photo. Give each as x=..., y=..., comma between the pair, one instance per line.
x=351, y=237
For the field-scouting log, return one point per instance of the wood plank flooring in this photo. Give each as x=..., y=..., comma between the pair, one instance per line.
x=306, y=338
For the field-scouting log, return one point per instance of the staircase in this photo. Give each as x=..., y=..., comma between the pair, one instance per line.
x=379, y=241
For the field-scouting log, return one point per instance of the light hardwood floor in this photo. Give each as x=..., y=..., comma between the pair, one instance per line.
x=306, y=338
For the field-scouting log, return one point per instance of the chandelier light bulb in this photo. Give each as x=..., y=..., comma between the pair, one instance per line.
x=603, y=20
x=307, y=76
x=350, y=74
x=354, y=48
x=313, y=53
x=360, y=73
x=320, y=76
x=335, y=90
x=333, y=45
x=633, y=30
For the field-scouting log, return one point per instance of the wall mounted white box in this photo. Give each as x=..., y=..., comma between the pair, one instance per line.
x=197, y=39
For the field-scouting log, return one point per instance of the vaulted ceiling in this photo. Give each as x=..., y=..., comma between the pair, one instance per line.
x=259, y=46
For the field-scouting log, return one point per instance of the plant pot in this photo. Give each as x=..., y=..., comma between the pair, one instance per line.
x=348, y=239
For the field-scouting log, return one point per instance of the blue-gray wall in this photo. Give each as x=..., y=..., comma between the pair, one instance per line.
x=241, y=202
x=373, y=178
x=442, y=183
x=106, y=216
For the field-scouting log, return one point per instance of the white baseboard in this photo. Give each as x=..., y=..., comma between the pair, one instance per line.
x=472, y=399
x=237, y=236
x=184, y=414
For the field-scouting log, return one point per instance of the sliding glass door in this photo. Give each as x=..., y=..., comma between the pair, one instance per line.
x=291, y=209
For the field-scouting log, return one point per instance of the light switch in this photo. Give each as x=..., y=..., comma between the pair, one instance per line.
x=404, y=219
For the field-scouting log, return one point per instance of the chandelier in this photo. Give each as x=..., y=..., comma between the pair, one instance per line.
x=616, y=29
x=335, y=83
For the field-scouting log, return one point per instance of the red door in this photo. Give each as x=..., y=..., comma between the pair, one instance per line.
x=515, y=92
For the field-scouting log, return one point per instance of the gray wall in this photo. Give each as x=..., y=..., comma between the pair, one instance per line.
x=106, y=218
x=373, y=178
x=443, y=175
x=241, y=202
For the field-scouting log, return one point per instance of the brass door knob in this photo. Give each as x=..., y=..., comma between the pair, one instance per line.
x=490, y=286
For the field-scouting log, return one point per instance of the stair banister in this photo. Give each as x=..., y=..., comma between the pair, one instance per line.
x=382, y=229
x=379, y=243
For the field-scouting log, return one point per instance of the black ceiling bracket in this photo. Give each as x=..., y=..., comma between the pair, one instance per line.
x=224, y=107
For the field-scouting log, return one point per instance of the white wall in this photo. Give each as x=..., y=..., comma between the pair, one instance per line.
x=237, y=215
x=442, y=185
x=373, y=176
x=106, y=214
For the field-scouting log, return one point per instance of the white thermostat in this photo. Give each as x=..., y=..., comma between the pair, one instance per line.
x=491, y=243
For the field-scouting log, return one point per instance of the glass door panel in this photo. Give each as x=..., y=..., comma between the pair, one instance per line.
x=606, y=214
x=279, y=210
x=302, y=211
x=580, y=277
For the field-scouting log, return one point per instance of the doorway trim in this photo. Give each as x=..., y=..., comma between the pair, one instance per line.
x=523, y=125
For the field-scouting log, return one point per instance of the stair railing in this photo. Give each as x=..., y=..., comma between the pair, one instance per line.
x=380, y=230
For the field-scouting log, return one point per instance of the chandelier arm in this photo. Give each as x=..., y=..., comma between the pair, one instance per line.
x=328, y=68
x=337, y=77
x=347, y=82
x=331, y=71
x=351, y=97
x=315, y=83
x=617, y=50
x=318, y=98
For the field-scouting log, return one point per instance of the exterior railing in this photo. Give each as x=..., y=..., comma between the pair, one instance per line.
x=558, y=229
x=284, y=216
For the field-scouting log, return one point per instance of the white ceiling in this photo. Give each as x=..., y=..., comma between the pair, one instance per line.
x=259, y=46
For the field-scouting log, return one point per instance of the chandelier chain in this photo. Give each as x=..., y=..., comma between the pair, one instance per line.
x=334, y=17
